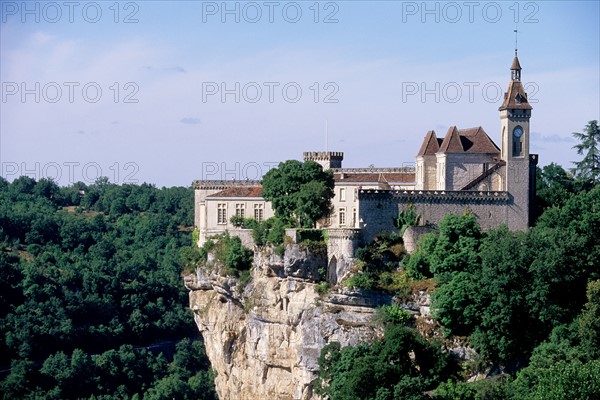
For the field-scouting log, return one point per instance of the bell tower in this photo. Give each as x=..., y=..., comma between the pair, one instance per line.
x=519, y=172
x=515, y=113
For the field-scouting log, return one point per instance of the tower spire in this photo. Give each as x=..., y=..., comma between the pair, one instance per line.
x=516, y=66
x=516, y=39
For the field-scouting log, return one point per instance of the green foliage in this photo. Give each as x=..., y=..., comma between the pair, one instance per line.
x=377, y=265
x=406, y=218
x=453, y=248
x=299, y=191
x=401, y=366
x=478, y=390
x=92, y=304
x=562, y=380
x=237, y=221
x=451, y=390
x=554, y=186
x=360, y=281
x=230, y=253
x=393, y=314
x=270, y=231
x=588, y=169
x=507, y=291
x=310, y=235
x=279, y=250
x=322, y=288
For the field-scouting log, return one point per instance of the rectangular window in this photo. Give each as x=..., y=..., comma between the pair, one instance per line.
x=342, y=194
x=240, y=210
x=222, y=213
x=354, y=217
x=258, y=212
x=342, y=216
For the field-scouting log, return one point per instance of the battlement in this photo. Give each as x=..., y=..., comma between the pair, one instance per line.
x=323, y=155
x=222, y=184
x=433, y=196
x=327, y=159
x=393, y=170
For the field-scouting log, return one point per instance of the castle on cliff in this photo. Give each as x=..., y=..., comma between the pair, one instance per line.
x=463, y=171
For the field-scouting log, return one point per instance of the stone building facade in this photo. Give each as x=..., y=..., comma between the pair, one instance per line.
x=465, y=171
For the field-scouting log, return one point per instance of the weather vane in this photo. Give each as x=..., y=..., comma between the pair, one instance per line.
x=516, y=39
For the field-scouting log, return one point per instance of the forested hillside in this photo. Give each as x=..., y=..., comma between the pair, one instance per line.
x=92, y=303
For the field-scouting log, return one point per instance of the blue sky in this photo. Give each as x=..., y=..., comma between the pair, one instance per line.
x=167, y=92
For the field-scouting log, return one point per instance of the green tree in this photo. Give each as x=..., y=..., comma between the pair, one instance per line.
x=588, y=169
x=401, y=366
x=299, y=191
x=554, y=186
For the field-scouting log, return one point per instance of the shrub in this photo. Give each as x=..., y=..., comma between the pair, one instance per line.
x=322, y=288
x=360, y=281
x=237, y=221
x=406, y=218
x=270, y=231
x=279, y=250
x=393, y=314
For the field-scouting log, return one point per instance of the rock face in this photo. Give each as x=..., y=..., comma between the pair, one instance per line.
x=264, y=340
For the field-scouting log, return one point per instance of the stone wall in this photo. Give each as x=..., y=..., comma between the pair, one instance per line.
x=381, y=207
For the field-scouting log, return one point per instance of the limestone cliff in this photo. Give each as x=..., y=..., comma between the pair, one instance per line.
x=263, y=340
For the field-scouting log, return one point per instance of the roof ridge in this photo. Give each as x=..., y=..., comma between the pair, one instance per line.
x=452, y=142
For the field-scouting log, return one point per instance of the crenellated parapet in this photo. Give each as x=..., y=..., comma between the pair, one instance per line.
x=392, y=170
x=327, y=159
x=435, y=196
x=222, y=184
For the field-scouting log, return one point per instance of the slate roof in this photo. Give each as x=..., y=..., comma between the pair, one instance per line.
x=240, y=191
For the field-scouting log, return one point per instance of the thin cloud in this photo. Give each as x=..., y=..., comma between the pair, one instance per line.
x=554, y=138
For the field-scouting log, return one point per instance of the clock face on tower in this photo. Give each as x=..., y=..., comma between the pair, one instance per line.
x=518, y=132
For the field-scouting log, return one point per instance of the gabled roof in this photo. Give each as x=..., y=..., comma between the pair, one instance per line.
x=431, y=145
x=471, y=140
x=240, y=191
x=475, y=140
x=452, y=143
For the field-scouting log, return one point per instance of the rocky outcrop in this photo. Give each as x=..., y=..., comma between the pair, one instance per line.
x=264, y=340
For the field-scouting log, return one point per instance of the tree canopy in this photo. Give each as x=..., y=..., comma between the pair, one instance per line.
x=588, y=169
x=299, y=191
x=92, y=303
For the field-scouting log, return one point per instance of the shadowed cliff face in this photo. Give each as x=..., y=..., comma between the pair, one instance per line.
x=264, y=341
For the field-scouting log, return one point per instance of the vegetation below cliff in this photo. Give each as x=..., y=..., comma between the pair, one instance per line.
x=527, y=302
x=92, y=304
